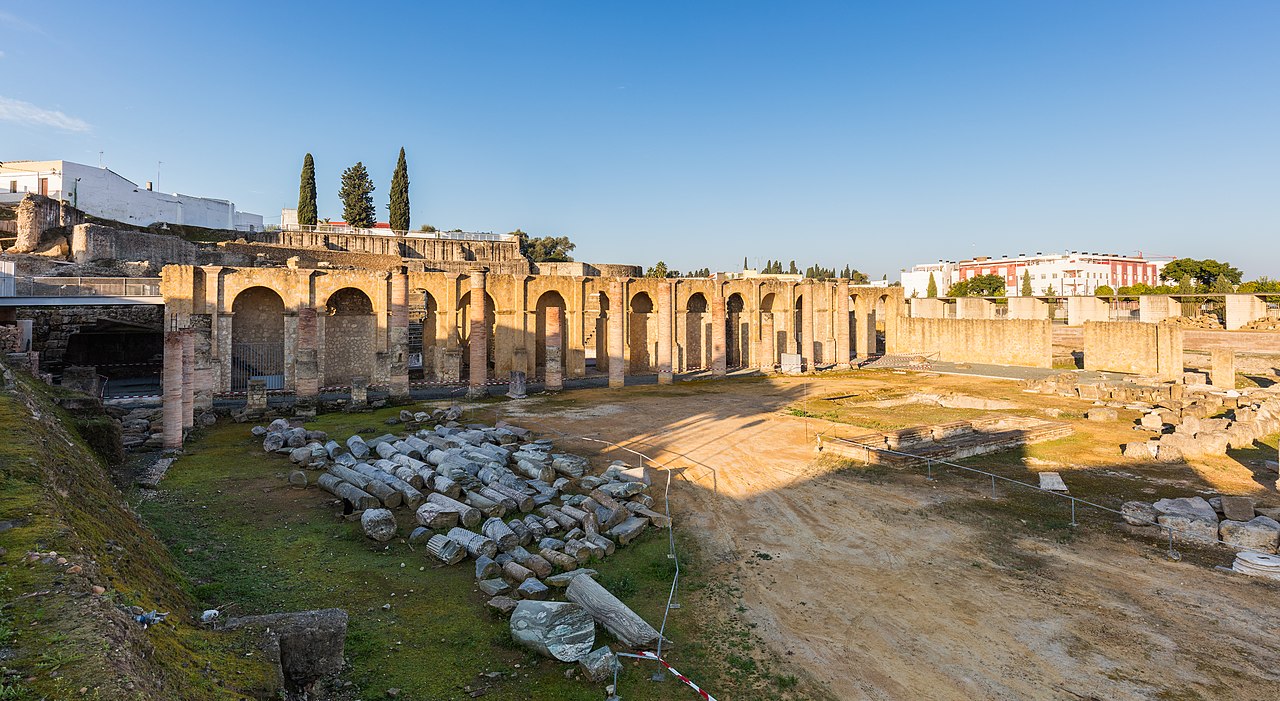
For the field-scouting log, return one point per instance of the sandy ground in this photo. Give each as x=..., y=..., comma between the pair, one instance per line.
x=872, y=593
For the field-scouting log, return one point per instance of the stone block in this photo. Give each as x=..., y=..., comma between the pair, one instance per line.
x=1190, y=528
x=1192, y=506
x=1195, y=378
x=1260, y=533
x=1139, y=513
x=1236, y=508
x=1102, y=413
x=1152, y=422
x=1139, y=450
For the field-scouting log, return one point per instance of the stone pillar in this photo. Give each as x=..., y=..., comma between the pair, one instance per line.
x=719, y=361
x=479, y=340
x=806, y=327
x=25, y=336
x=842, y=325
x=1223, y=368
x=398, y=336
x=665, y=319
x=1168, y=350
x=975, y=308
x=203, y=372
x=256, y=397
x=1024, y=308
x=449, y=369
x=188, y=377
x=864, y=319
x=307, y=374
x=1082, y=309
x=616, y=332
x=172, y=389
x=555, y=372
x=359, y=391
x=768, y=339
x=1153, y=308
x=1241, y=309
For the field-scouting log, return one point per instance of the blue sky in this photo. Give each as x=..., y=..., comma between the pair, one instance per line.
x=878, y=135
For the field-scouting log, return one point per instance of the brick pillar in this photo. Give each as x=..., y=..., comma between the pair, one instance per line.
x=719, y=363
x=172, y=389
x=665, y=305
x=617, y=312
x=842, y=325
x=806, y=326
x=555, y=350
x=479, y=340
x=307, y=373
x=399, y=335
x=768, y=339
x=188, y=377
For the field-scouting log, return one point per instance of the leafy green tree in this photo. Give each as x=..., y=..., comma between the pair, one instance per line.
x=357, y=197
x=544, y=249
x=1185, y=285
x=1202, y=272
x=793, y=270
x=658, y=269
x=1026, y=290
x=427, y=228
x=307, y=211
x=399, y=204
x=1222, y=285
x=960, y=289
x=979, y=286
x=859, y=278
x=932, y=289
x=1104, y=291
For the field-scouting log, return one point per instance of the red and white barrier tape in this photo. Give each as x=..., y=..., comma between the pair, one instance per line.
x=646, y=655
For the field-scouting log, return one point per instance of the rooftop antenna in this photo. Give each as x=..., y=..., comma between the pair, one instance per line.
x=99, y=159
x=158, y=164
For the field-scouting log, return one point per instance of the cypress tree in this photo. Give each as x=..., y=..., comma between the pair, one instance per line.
x=357, y=197
x=307, y=213
x=932, y=289
x=1026, y=284
x=399, y=205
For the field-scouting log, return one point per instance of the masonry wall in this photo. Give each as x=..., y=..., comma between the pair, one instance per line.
x=502, y=257
x=97, y=242
x=1022, y=342
x=52, y=327
x=1135, y=348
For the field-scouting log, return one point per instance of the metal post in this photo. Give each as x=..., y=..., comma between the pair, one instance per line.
x=1073, y=513
x=993, y=486
x=929, y=465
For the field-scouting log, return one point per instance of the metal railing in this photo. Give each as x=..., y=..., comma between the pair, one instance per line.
x=83, y=287
x=343, y=229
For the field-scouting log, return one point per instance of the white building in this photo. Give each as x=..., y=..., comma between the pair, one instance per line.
x=103, y=193
x=1073, y=273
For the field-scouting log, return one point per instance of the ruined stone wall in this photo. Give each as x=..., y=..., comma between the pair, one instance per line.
x=91, y=242
x=230, y=253
x=1022, y=342
x=407, y=247
x=52, y=327
x=37, y=215
x=1134, y=347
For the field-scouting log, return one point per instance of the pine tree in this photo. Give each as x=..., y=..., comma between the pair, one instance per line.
x=932, y=289
x=1026, y=284
x=744, y=262
x=793, y=270
x=357, y=197
x=399, y=205
x=307, y=214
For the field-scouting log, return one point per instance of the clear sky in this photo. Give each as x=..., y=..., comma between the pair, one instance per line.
x=874, y=134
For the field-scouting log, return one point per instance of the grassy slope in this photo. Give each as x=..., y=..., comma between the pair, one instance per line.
x=57, y=492
x=244, y=537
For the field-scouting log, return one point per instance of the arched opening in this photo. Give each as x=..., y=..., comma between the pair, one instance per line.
x=128, y=354
x=641, y=335
x=878, y=323
x=463, y=327
x=600, y=335
x=797, y=329
x=423, y=322
x=852, y=323
x=350, y=329
x=773, y=337
x=257, y=339
x=546, y=301
x=697, y=342
x=737, y=336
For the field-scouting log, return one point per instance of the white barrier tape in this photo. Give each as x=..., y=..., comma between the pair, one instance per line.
x=646, y=655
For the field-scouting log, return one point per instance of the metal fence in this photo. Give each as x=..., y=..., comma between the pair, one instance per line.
x=84, y=287
x=257, y=361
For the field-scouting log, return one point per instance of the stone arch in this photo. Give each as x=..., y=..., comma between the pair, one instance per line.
x=257, y=338
x=697, y=341
x=880, y=319
x=548, y=299
x=773, y=335
x=641, y=334
x=350, y=337
x=737, y=336
x=462, y=326
x=602, y=333
x=797, y=326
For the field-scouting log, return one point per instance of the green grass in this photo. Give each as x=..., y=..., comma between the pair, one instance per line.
x=247, y=541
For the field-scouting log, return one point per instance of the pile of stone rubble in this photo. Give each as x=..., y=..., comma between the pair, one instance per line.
x=1234, y=520
x=1207, y=425
x=530, y=519
x=1263, y=325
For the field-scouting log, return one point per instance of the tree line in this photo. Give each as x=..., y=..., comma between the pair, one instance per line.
x=1180, y=276
x=356, y=194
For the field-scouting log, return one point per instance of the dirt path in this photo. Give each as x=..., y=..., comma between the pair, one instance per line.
x=876, y=595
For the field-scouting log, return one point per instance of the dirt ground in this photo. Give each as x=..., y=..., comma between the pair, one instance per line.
x=882, y=586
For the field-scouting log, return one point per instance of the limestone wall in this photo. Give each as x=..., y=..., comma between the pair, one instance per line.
x=53, y=327
x=1135, y=348
x=1022, y=342
x=96, y=242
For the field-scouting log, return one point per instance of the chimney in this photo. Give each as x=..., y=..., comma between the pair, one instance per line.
x=148, y=186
